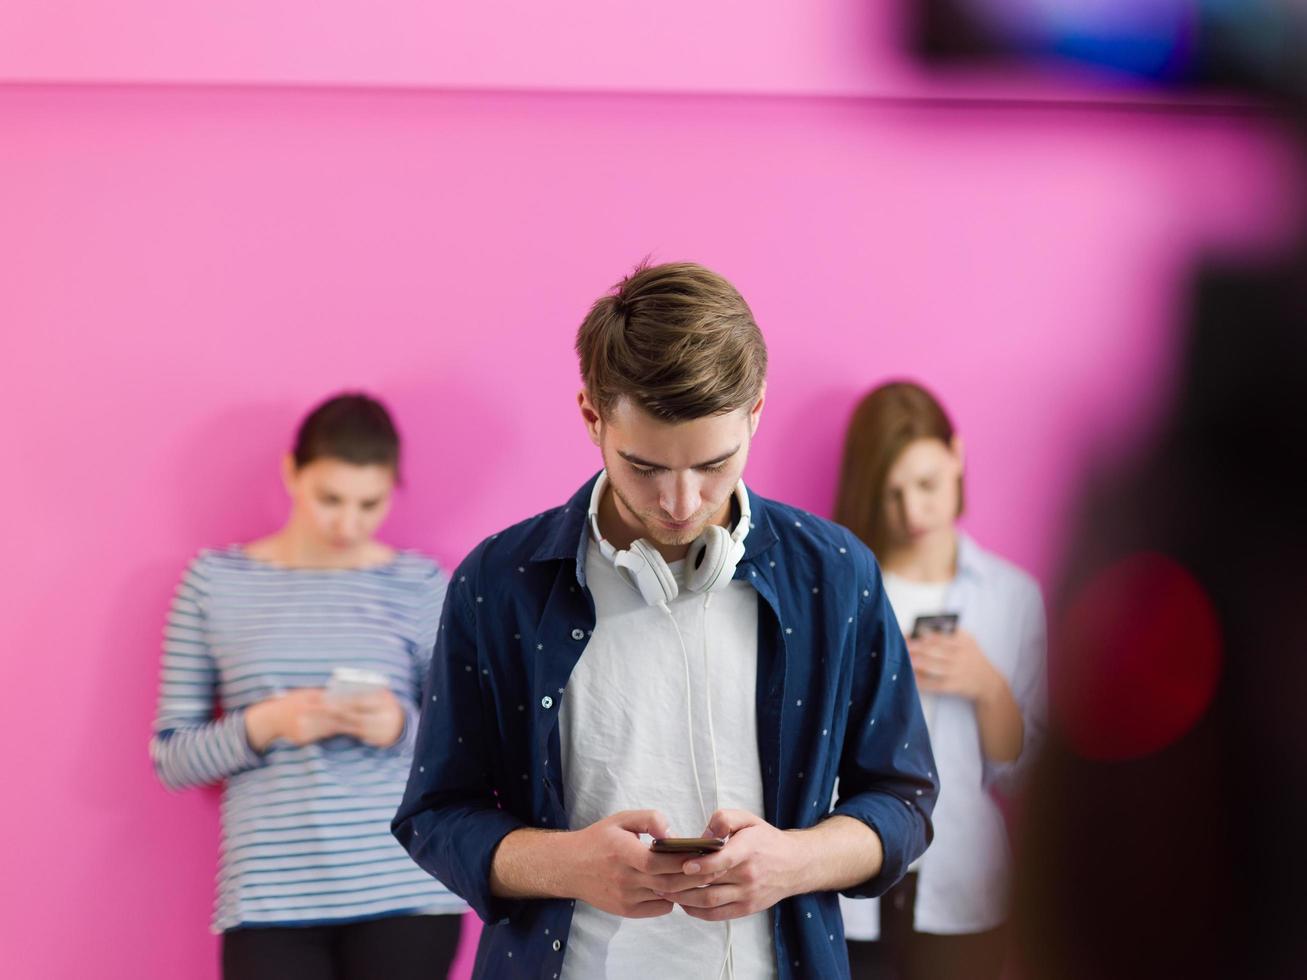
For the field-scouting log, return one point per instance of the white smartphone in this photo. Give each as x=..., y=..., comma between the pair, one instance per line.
x=353, y=682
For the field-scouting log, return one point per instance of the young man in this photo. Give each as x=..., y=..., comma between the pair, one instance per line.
x=668, y=654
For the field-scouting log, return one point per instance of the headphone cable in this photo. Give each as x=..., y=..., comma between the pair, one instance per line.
x=728, y=963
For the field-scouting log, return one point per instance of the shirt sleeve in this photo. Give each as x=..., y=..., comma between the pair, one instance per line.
x=1029, y=684
x=887, y=770
x=450, y=821
x=190, y=747
x=431, y=604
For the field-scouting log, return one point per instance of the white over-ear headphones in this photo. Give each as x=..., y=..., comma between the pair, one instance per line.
x=710, y=563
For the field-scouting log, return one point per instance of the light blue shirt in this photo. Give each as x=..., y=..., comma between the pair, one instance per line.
x=962, y=884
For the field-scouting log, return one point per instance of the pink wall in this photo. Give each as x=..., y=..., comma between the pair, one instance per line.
x=183, y=270
x=795, y=47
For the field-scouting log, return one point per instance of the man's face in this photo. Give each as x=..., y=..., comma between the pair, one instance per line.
x=669, y=481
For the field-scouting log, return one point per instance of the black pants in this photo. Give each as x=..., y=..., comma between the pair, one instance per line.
x=398, y=947
x=902, y=953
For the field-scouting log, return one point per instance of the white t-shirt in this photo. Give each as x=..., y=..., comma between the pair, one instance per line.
x=626, y=743
x=909, y=599
x=912, y=599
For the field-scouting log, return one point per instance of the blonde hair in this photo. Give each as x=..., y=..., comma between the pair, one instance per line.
x=677, y=339
x=883, y=425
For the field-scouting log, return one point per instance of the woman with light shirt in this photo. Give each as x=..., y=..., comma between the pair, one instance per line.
x=313, y=642
x=976, y=635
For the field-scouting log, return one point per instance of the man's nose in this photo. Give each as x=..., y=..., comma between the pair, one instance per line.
x=681, y=500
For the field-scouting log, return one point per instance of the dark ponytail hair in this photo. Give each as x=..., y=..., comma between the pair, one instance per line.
x=351, y=427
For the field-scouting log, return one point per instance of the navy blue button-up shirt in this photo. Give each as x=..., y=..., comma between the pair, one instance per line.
x=835, y=699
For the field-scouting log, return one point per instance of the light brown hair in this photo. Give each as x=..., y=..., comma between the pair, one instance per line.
x=883, y=425
x=676, y=339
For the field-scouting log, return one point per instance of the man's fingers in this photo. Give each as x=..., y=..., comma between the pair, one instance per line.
x=723, y=823
x=712, y=897
x=649, y=822
x=736, y=910
x=735, y=852
x=667, y=866
x=672, y=884
x=653, y=863
x=650, y=909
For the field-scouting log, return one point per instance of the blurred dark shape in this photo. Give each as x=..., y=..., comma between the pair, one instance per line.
x=1186, y=862
x=1166, y=844
x=1139, y=658
x=1251, y=45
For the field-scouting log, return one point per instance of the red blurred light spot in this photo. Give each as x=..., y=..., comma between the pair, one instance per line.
x=1139, y=657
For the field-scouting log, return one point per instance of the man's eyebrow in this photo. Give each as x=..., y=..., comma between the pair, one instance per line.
x=638, y=461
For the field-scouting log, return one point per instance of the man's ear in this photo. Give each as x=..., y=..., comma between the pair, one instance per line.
x=589, y=414
x=958, y=450
x=755, y=413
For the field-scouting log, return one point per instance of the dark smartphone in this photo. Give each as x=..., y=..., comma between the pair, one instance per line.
x=687, y=845
x=939, y=623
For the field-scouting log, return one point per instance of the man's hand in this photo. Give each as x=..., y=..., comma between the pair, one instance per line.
x=615, y=871
x=953, y=664
x=759, y=866
x=375, y=719
x=605, y=865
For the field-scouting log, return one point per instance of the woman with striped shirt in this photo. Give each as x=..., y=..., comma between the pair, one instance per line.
x=311, y=883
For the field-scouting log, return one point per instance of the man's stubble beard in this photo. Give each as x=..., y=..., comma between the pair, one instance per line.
x=657, y=534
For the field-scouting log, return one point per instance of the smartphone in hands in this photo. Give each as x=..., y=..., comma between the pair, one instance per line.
x=687, y=845
x=946, y=623
x=352, y=682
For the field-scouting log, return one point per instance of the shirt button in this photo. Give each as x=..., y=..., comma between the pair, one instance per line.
x=557, y=945
x=546, y=702
x=578, y=634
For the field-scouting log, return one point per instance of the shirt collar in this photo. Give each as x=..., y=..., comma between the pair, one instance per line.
x=970, y=556
x=762, y=530
x=566, y=528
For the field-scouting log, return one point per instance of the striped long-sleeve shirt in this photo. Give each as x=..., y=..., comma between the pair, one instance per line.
x=305, y=830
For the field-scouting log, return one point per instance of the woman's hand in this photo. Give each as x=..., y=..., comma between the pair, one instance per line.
x=376, y=719
x=956, y=665
x=302, y=716
x=953, y=664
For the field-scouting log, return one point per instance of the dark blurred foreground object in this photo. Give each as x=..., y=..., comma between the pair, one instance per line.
x=1163, y=834
x=1252, y=45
